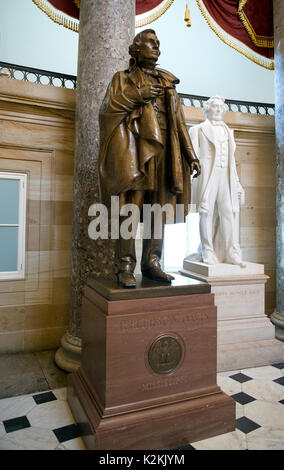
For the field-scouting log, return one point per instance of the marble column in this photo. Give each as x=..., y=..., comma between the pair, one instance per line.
x=277, y=317
x=107, y=28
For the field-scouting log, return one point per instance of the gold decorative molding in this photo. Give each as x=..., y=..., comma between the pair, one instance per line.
x=234, y=43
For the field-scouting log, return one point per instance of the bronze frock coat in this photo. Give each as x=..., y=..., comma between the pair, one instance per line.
x=131, y=142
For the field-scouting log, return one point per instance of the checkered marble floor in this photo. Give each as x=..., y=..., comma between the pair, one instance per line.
x=43, y=421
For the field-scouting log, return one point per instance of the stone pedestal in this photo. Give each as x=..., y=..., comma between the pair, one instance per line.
x=148, y=373
x=246, y=336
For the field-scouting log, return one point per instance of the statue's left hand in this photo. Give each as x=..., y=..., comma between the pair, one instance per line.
x=195, y=166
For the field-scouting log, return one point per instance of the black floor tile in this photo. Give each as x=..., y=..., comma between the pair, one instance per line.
x=44, y=397
x=240, y=377
x=246, y=425
x=243, y=398
x=280, y=365
x=67, y=432
x=16, y=424
x=279, y=381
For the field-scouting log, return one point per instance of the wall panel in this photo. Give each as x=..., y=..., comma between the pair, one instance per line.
x=37, y=138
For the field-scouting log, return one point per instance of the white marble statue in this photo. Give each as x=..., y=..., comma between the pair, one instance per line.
x=217, y=193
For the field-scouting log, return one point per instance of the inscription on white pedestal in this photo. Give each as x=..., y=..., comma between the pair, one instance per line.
x=239, y=300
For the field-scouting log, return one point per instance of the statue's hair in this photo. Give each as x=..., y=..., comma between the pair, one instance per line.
x=134, y=48
x=207, y=103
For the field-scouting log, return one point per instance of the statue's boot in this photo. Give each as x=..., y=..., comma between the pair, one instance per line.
x=127, y=279
x=125, y=272
x=150, y=262
x=125, y=260
x=126, y=256
x=155, y=272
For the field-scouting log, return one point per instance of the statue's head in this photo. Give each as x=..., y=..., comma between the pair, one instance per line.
x=214, y=108
x=145, y=48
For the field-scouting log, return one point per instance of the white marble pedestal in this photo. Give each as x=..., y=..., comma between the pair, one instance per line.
x=246, y=336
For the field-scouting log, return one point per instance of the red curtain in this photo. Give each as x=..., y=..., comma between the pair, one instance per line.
x=142, y=6
x=255, y=18
x=69, y=7
x=66, y=6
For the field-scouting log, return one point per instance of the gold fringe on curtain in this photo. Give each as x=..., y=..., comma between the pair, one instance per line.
x=259, y=41
x=153, y=16
x=187, y=18
x=74, y=26
x=147, y=19
x=57, y=17
x=234, y=43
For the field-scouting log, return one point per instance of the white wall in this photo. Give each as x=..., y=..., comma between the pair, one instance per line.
x=28, y=37
x=204, y=64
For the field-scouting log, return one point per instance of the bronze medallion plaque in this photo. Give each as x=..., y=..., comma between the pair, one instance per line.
x=165, y=354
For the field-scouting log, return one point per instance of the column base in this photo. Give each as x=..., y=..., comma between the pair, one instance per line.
x=68, y=357
x=278, y=322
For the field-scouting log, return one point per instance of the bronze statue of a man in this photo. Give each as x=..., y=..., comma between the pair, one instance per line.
x=146, y=155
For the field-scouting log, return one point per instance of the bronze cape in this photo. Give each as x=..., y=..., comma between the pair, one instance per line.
x=131, y=141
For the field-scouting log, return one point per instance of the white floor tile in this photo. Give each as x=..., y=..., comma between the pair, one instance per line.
x=60, y=447
x=231, y=441
x=240, y=411
x=75, y=444
x=262, y=373
x=265, y=390
x=51, y=415
x=2, y=430
x=228, y=385
x=266, y=439
x=8, y=444
x=269, y=415
x=16, y=406
x=32, y=439
x=60, y=393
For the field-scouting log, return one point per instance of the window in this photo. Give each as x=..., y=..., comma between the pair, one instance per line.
x=12, y=225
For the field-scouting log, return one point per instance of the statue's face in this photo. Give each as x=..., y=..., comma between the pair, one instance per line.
x=149, y=50
x=216, y=110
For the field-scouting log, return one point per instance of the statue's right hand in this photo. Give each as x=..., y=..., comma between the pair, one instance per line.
x=150, y=92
